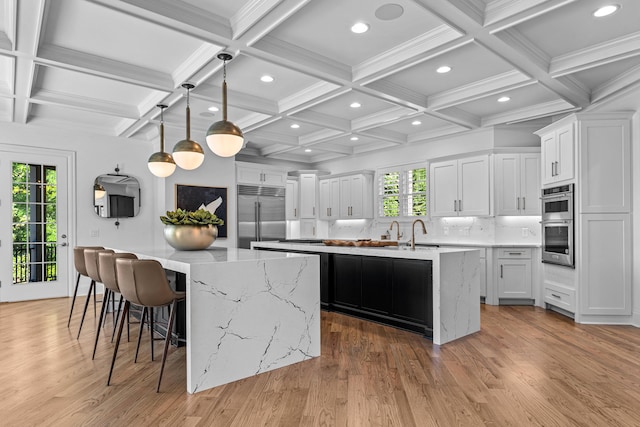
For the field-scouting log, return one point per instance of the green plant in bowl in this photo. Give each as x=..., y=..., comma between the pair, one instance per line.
x=184, y=217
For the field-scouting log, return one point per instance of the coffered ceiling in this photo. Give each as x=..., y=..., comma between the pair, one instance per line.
x=103, y=65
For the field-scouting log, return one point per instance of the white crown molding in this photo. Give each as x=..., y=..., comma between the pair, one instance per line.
x=593, y=56
x=457, y=116
x=474, y=9
x=399, y=94
x=502, y=14
x=196, y=61
x=319, y=119
x=541, y=110
x=627, y=79
x=115, y=109
x=524, y=46
x=305, y=61
x=406, y=53
x=321, y=135
x=250, y=14
x=434, y=133
x=9, y=25
x=385, y=135
x=490, y=86
x=311, y=95
x=7, y=75
x=267, y=136
x=60, y=57
x=333, y=148
x=365, y=148
x=380, y=118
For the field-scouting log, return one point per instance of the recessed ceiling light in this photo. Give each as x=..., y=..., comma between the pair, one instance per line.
x=359, y=28
x=355, y=105
x=295, y=126
x=443, y=69
x=504, y=99
x=266, y=78
x=307, y=150
x=213, y=109
x=416, y=122
x=606, y=10
x=354, y=138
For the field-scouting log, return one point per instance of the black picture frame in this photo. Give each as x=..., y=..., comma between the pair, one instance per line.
x=193, y=197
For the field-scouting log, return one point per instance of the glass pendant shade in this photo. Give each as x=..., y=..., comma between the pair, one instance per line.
x=187, y=153
x=161, y=164
x=224, y=138
x=98, y=191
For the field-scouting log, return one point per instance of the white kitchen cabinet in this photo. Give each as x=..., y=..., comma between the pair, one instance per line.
x=605, y=265
x=308, y=184
x=460, y=187
x=604, y=166
x=513, y=272
x=356, y=196
x=517, y=179
x=558, y=156
x=308, y=229
x=329, y=200
x=254, y=174
x=292, y=208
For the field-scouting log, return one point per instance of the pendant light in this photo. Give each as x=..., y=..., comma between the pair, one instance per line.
x=187, y=153
x=161, y=164
x=98, y=191
x=224, y=138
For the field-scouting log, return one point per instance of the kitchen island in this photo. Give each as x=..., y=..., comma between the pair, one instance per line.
x=247, y=312
x=431, y=290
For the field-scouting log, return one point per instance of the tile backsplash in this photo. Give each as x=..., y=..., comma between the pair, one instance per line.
x=493, y=230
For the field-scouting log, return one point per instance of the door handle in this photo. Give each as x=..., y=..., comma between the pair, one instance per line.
x=523, y=205
x=518, y=203
x=63, y=244
x=459, y=205
x=501, y=275
x=455, y=206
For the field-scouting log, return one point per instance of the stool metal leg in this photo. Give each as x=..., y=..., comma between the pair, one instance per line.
x=101, y=320
x=151, y=330
x=73, y=301
x=115, y=321
x=166, y=341
x=125, y=310
x=92, y=286
x=142, y=316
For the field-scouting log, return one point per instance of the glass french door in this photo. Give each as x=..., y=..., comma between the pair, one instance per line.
x=34, y=251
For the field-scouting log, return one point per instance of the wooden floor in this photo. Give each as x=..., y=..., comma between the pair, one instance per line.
x=526, y=367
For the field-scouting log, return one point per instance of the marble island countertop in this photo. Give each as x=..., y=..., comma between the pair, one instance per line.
x=421, y=252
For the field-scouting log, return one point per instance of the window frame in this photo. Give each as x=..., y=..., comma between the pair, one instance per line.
x=403, y=194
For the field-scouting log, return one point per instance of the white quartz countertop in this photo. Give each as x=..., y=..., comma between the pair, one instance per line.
x=484, y=245
x=426, y=253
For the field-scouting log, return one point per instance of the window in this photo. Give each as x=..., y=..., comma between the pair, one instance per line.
x=402, y=191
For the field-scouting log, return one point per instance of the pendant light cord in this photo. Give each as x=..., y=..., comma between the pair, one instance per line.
x=162, y=129
x=224, y=90
x=188, y=117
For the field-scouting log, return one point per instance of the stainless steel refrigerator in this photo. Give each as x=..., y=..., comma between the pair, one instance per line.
x=261, y=214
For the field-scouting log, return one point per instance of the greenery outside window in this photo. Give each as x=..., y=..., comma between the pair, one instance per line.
x=402, y=191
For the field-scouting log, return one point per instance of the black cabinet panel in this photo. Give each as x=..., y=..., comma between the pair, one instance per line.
x=347, y=275
x=376, y=284
x=325, y=279
x=412, y=290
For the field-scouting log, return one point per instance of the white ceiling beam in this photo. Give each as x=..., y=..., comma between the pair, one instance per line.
x=503, y=14
x=627, y=79
x=541, y=110
x=114, y=109
x=434, y=133
x=380, y=118
x=319, y=119
x=593, y=56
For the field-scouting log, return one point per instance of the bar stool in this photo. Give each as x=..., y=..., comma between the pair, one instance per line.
x=91, y=263
x=78, y=261
x=144, y=282
x=107, y=271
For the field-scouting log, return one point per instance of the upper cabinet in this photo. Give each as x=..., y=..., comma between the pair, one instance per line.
x=460, y=187
x=517, y=179
x=255, y=174
x=329, y=198
x=557, y=155
x=292, y=208
x=308, y=183
x=347, y=196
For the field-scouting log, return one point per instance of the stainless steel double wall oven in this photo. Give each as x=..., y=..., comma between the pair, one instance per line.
x=558, y=225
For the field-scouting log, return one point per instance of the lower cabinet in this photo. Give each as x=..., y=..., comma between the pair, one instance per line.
x=394, y=291
x=514, y=275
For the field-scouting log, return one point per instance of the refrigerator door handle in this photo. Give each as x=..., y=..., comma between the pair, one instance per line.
x=256, y=208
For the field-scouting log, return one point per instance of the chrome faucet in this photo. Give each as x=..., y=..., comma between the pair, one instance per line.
x=399, y=235
x=413, y=232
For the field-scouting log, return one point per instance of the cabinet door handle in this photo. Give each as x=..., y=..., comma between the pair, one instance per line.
x=313, y=210
x=517, y=203
x=295, y=212
x=553, y=168
x=459, y=205
x=501, y=276
x=556, y=296
x=328, y=214
x=515, y=253
x=523, y=204
x=455, y=206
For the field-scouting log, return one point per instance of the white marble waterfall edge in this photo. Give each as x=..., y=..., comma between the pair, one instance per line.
x=456, y=294
x=251, y=317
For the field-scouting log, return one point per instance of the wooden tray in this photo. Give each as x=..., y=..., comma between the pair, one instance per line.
x=360, y=243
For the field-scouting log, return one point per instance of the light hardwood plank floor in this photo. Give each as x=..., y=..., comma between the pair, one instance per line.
x=527, y=366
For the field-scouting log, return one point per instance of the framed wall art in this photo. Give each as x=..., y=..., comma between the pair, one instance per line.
x=213, y=199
